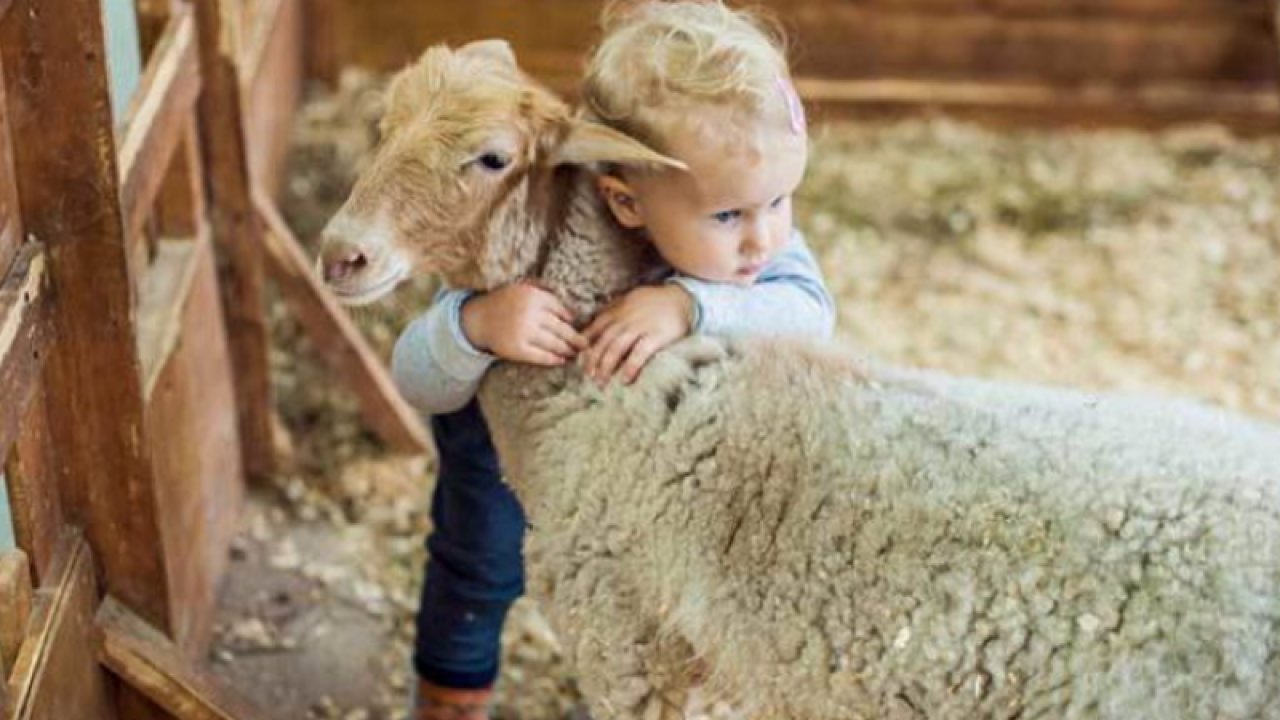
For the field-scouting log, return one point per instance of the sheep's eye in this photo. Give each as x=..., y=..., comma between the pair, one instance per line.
x=494, y=161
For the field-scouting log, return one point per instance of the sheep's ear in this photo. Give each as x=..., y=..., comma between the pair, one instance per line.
x=590, y=142
x=494, y=49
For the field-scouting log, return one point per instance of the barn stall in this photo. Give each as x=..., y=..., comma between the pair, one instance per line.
x=1081, y=193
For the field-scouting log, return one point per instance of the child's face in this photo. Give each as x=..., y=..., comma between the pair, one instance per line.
x=726, y=217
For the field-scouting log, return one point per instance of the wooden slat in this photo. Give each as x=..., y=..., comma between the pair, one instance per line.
x=1249, y=112
x=272, y=87
x=147, y=661
x=1152, y=10
x=161, y=305
x=321, y=48
x=33, y=488
x=54, y=677
x=15, y=606
x=236, y=230
x=64, y=148
x=10, y=221
x=195, y=447
x=157, y=118
x=339, y=341
x=24, y=336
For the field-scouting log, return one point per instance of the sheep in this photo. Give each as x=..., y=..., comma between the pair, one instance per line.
x=796, y=531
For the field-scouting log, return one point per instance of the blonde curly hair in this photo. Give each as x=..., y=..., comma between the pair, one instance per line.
x=660, y=59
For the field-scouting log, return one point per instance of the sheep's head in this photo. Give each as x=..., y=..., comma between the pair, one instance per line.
x=463, y=181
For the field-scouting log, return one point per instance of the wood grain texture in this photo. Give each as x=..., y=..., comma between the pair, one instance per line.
x=272, y=87
x=149, y=662
x=1220, y=48
x=191, y=420
x=15, y=605
x=54, y=678
x=340, y=343
x=10, y=220
x=33, y=488
x=65, y=159
x=24, y=335
x=157, y=119
x=224, y=156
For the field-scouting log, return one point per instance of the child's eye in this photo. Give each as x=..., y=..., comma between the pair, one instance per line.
x=725, y=217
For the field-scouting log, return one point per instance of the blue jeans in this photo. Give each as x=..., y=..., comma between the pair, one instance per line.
x=475, y=565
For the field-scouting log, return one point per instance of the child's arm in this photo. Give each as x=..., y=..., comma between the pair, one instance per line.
x=789, y=298
x=440, y=358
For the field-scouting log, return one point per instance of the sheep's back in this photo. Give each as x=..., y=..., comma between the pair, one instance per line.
x=839, y=538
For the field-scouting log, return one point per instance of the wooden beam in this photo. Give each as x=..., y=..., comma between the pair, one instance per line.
x=321, y=31
x=33, y=488
x=237, y=232
x=1248, y=111
x=10, y=219
x=54, y=676
x=24, y=336
x=55, y=60
x=157, y=117
x=191, y=420
x=15, y=605
x=339, y=341
x=272, y=79
x=145, y=659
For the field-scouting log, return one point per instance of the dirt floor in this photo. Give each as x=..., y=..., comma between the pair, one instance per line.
x=1102, y=260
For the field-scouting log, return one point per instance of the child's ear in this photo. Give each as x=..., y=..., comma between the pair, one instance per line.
x=587, y=142
x=621, y=200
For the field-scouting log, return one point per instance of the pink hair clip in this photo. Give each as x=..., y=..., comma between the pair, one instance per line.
x=795, y=109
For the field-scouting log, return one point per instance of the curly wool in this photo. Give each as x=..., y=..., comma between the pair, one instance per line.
x=825, y=538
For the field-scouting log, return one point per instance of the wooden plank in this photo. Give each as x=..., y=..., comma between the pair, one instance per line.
x=1248, y=112
x=195, y=448
x=15, y=606
x=10, y=221
x=235, y=227
x=1152, y=10
x=65, y=159
x=54, y=678
x=24, y=335
x=33, y=489
x=981, y=46
x=146, y=660
x=340, y=342
x=179, y=209
x=157, y=118
x=162, y=305
x=273, y=76
x=321, y=30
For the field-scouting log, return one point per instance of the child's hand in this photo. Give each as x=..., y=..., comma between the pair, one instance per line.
x=627, y=333
x=524, y=323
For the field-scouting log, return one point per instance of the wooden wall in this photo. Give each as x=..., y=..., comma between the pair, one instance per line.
x=1129, y=61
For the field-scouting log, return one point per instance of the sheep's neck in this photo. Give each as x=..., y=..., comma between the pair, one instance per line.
x=591, y=259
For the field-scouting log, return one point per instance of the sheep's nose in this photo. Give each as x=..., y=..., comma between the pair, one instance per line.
x=340, y=260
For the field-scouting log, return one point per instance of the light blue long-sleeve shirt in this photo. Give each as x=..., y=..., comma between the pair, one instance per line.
x=438, y=370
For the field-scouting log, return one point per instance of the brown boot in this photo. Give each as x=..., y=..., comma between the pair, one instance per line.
x=432, y=702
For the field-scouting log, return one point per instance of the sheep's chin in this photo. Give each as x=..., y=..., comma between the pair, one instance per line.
x=371, y=291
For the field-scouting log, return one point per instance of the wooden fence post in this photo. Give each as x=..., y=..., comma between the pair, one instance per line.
x=237, y=232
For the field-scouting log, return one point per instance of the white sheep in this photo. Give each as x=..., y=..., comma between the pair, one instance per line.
x=801, y=533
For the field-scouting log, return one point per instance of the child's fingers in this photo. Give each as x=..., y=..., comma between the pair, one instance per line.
x=535, y=355
x=640, y=354
x=548, y=341
x=565, y=332
x=599, y=346
x=615, y=351
x=598, y=326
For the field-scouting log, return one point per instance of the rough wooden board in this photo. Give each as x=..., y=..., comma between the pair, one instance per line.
x=146, y=660
x=236, y=230
x=272, y=87
x=15, y=605
x=155, y=125
x=339, y=341
x=54, y=677
x=33, y=490
x=10, y=222
x=195, y=448
x=65, y=159
x=322, y=46
x=164, y=289
x=24, y=335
